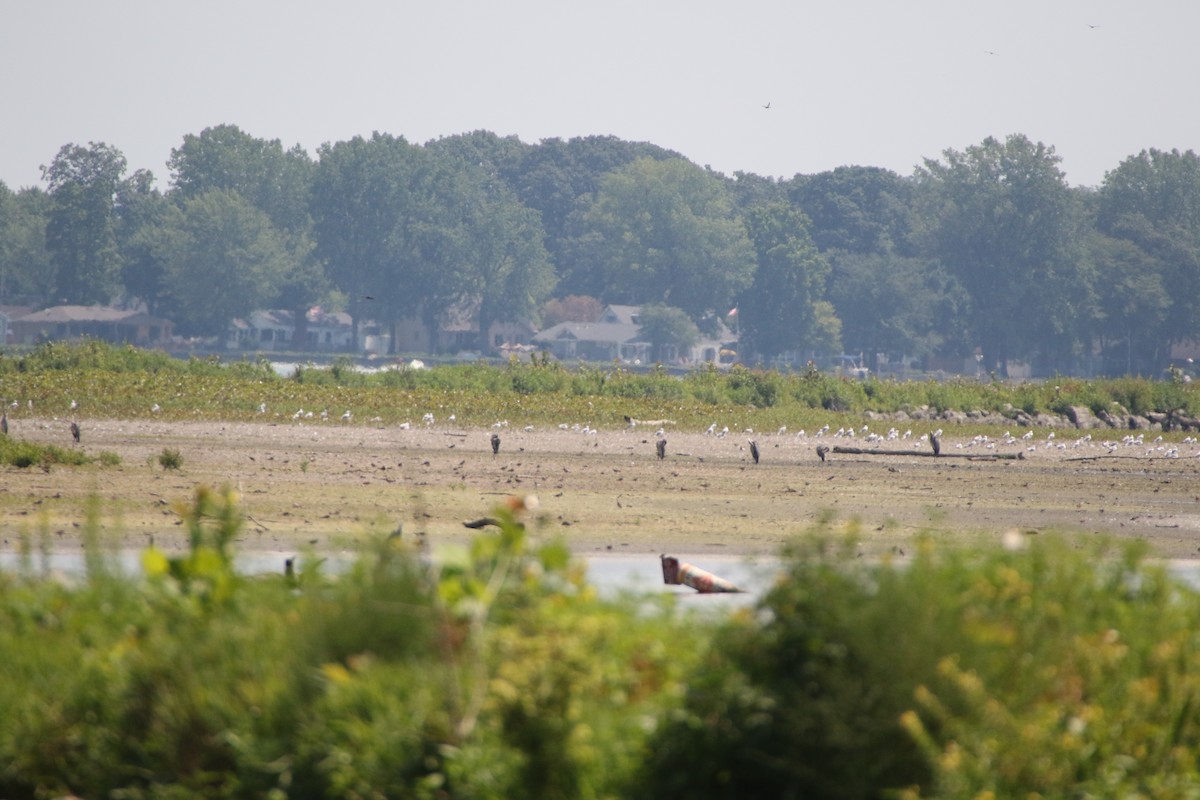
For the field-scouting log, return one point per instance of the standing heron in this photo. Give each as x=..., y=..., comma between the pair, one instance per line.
x=821, y=451
x=75, y=431
x=495, y=444
x=937, y=444
x=4, y=423
x=661, y=447
x=754, y=450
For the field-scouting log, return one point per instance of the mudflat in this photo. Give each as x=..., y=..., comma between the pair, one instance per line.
x=328, y=484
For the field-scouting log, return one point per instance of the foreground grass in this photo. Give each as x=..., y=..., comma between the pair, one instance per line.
x=1038, y=670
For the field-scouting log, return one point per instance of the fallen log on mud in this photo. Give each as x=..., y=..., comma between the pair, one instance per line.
x=863, y=451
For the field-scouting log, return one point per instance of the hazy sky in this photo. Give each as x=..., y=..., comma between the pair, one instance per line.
x=872, y=82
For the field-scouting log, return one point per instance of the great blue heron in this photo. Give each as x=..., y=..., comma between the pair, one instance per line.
x=661, y=447
x=754, y=450
x=495, y=444
x=937, y=444
x=821, y=451
x=75, y=431
x=4, y=423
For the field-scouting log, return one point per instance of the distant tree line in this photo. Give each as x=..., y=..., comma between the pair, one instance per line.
x=984, y=251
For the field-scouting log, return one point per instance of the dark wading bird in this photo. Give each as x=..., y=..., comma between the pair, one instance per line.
x=661, y=447
x=821, y=451
x=4, y=423
x=937, y=444
x=75, y=431
x=754, y=450
x=495, y=444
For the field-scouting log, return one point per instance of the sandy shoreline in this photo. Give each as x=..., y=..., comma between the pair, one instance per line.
x=327, y=485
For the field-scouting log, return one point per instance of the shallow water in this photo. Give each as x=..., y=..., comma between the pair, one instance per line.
x=611, y=575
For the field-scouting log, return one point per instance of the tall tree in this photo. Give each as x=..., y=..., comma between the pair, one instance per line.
x=856, y=209
x=361, y=195
x=781, y=310
x=670, y=331
x=224, y=259
x=897, y=306
x=276, y=181
x=1151, y=201
x=25, y=273
x=503, y=239
x=83, y=183
x=557, y=177
x=662, y=231
x=1002, y=220
x=141, y=213
x=1133, y=305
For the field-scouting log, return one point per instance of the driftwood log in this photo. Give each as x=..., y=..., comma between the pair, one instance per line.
x=864, y=451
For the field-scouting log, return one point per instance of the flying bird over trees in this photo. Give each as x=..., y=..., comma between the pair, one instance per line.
x=495, y=444
x=661, y=447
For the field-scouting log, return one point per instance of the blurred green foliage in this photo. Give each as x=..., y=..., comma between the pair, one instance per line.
x=496, y=671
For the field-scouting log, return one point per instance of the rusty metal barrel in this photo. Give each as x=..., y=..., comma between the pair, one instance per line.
x=676, y=572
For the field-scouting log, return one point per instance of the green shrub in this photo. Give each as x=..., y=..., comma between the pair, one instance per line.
x=1045, y=671
x=21, y=453
x=170, y=458
x=496, y=674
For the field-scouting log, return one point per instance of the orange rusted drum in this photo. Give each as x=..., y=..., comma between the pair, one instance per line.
x=676, y=572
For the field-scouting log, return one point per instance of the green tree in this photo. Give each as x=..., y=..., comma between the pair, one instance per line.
x=1133, y=303
x=896, y=305
x=362, y=193
x=274, y=180
x=223, y=260
x=25, y=272
x=503, y=239
x=663, y=231
x=1002, y=220
x=856, y=209
x=779, y=312
x=557, y=177
x=141, y=213
x=670, y=331
x=1152, y=202
x=83, y=183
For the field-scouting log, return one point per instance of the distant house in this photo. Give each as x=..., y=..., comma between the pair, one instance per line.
x=595, y=341
x=119, y=326
x=458, y=331
x=275, y=329
x=617, y=336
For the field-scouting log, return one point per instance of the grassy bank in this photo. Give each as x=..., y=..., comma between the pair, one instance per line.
x=124, y=382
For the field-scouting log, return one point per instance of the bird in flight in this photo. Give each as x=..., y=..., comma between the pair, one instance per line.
x=991, y=52
x=768, y=105
x=1093, y=27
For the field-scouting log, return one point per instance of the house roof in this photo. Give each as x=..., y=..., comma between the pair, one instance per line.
x=61, y=314
x=620, y=314
x=608, y=332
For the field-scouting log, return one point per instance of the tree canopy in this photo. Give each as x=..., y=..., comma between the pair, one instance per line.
x=984, y=250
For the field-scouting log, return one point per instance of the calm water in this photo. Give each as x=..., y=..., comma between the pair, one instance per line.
x=610, y=574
